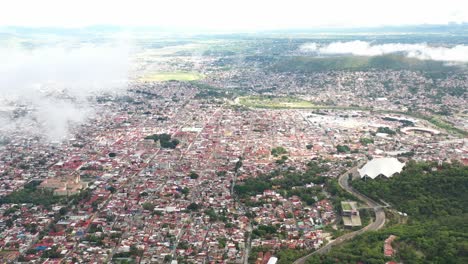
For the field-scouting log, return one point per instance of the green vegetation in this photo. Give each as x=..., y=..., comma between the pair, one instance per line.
x=238, y=165
x=343, y=149
x=338, y=194
x=346, y=206
x=421, y=192
x=221, y=173
x=284, y=182
x=212, y=215
x=436, y=228
x=185, y=191
x=285, y=256
x=264, y=231
x=366, y=141
x=193, y=175
x=208, y=91
x=306, y=194
x=222, y=242
x=51, y=253
x=127, y=257
x=282, y=160
x=360, y=63
x=435, y=120
x=278, y=151
x=171, y=76
x=193, y=207
x=183, y=245
x=433, y=241
x=148, y=206
x=403, y=122
x=273, y=102
x=406, y=154
x=31, y=194
x=385, y=130
x=164, y=140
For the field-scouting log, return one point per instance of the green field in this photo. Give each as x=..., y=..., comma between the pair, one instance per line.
x=346, y=206
x=271, y=102
x=171, y=76
x=275, y=102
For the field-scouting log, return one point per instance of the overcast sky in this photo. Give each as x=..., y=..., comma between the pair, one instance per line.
x=231, y=14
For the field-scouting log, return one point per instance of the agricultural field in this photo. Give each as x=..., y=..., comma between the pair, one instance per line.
x=171, y=76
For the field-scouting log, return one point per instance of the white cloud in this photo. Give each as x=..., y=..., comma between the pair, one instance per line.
x=421, y=51
x=55, y=83
x=230, y=14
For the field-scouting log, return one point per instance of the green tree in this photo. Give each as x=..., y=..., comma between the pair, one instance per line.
x=278, y=151
x=193, y=207
x=148, y=206
x=193, y=175
x=342, y=149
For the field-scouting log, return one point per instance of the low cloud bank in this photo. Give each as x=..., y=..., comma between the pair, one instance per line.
x=51, y=86
x=420, y=51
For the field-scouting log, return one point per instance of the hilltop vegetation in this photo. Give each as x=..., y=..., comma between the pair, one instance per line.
x=421, y=192
x=431, y=241
x=272, y=102
x=171, y=76
x=436, y=203
x=359, y=63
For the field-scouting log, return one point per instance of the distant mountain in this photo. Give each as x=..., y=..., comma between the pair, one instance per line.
x=453, y=28
x=62, y=31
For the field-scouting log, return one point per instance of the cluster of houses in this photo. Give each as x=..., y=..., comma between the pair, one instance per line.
x=389, y=90
x=121, y=197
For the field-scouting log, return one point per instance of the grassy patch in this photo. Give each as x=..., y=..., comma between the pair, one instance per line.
x=172, y=76
x=31, y=195
x=444, y=125
x=346, y=206
x=275, y=102
x=272, y=102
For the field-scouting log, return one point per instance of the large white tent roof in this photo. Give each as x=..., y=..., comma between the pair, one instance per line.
x=381, y=166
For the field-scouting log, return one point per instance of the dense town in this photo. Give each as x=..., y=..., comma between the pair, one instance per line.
x=152, y=178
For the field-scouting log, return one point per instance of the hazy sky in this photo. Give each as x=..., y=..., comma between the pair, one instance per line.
x=231, y=14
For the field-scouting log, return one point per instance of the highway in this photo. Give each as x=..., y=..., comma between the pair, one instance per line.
x=375, y=225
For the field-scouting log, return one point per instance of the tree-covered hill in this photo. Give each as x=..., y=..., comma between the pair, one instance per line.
x=436, y=229
x=308, y=64
x=421, y=192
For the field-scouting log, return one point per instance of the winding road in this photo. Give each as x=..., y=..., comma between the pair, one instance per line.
x=375, y=225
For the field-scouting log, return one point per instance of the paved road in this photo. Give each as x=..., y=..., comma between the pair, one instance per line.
x=375, y=225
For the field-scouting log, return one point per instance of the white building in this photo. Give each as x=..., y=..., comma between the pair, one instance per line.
x=381, y=166
x=272, y=260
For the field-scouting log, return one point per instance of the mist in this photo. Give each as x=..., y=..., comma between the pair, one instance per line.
x=420, y=51
x=51, y=86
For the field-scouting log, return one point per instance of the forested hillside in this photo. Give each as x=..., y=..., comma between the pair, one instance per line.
x=436, y=229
